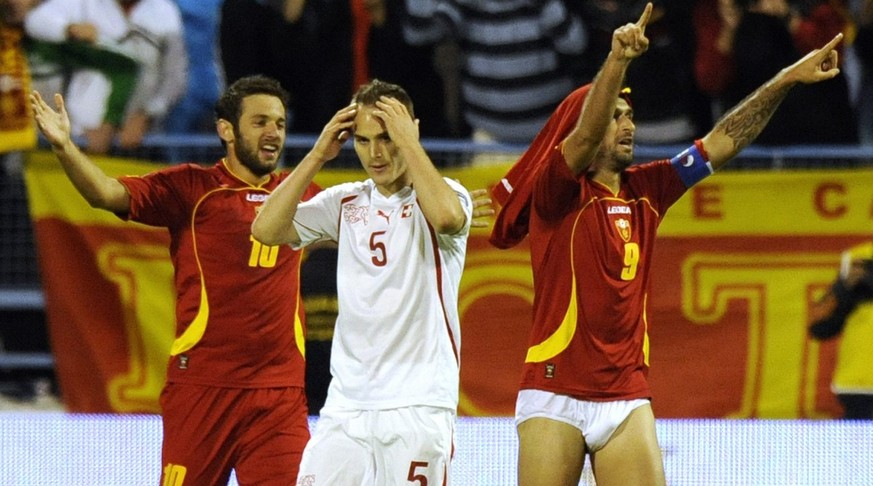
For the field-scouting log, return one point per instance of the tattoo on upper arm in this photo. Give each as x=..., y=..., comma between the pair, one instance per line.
x=746, y=121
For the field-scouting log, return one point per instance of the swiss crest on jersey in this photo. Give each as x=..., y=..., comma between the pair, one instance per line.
x=353, y=213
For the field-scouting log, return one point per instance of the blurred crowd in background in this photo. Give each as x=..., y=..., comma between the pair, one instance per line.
x=487, y=70
x=481, y=70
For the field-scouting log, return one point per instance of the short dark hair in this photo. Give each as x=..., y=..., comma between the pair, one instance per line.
x=229, y=105
x=368, y=94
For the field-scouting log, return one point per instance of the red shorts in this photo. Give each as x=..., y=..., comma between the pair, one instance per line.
x=208, y=431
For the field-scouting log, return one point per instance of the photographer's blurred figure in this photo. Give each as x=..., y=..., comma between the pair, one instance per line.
x=847, y=310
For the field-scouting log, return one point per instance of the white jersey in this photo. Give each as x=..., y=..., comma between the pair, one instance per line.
x=151, y=34
x=397, y=340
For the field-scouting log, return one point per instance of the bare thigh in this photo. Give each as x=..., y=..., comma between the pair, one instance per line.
x=550, y=453
x=632, y=454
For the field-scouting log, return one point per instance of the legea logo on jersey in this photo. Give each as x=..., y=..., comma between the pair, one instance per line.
x=356, y=214
x=618, y=210
x=256, y=197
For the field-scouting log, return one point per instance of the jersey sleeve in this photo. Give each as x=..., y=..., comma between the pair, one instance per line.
x=317, y=219
x=554, y=188
x=465, y=199
x=466, y=204
x=161, y=197
x=660, y=181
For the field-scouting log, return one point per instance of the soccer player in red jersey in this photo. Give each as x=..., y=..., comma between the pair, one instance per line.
x=234, y=397
x=592, y=220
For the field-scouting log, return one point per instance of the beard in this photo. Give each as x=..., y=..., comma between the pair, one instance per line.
x=248, y=157
x=612, y=159
x=621, y=161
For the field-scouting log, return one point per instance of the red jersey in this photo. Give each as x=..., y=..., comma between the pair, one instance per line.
x=239, y=315
x=590, y=254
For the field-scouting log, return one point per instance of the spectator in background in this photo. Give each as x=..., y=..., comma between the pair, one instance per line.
x=847, y=310
x=193, y=112
x=517, y=58
x=742, y=43
x=306, y=45
x=391, y=58
x=16, y=126
x=47, y=76
x=863, y=49
x=660, y=116
x=147, y=31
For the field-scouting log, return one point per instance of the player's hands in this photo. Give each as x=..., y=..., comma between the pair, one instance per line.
x=335, y=134
x=401, y=127
x=482, y=208
x=817, y=65
x=54, y=125
x=629, y=41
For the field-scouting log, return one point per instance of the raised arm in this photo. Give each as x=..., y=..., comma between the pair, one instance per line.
x=744, y=122
x=438, y=200
x=274, y=223
x=100, y=190
x=628, y=43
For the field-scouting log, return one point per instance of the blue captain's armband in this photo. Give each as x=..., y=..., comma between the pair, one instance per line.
x=692, y=166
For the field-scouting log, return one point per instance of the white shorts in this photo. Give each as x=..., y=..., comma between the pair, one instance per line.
x=596, y=420
x=403, y=446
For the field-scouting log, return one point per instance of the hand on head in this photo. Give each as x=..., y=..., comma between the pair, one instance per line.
x=335, y=133
x=399, y=123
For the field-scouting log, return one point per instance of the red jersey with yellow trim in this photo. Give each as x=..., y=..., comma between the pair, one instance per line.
x=239, y=315
x=590, y=253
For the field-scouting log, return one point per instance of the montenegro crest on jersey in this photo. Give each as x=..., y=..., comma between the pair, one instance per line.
x=624, y=228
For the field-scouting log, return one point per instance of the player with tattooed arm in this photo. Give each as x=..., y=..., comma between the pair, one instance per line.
x=592, y=218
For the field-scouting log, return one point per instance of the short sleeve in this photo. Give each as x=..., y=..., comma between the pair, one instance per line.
x=555, y=187
x=161, y=198
x=317, y=219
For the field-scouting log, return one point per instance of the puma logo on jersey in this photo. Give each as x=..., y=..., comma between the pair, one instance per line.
x=385, y=215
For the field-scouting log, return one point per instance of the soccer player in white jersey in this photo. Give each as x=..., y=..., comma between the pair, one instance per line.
x=390, y=409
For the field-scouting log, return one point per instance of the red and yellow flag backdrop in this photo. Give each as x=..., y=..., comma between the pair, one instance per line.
x=17, y=129
x=738, y=261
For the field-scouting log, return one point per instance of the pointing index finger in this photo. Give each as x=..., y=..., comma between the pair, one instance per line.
x=833, y=43
x=644, y=18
